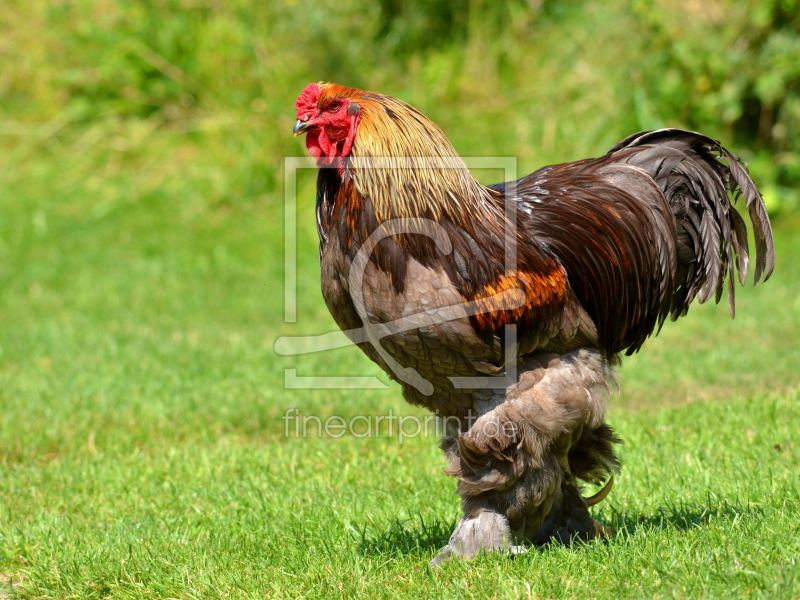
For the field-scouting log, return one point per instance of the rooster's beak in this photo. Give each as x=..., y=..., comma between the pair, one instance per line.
x=301, y=127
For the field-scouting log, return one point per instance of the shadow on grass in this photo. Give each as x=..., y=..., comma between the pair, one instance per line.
x=403, y=537
x=416, y=535
x=682, y=516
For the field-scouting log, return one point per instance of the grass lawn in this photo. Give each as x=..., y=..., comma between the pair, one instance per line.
x=143, y=455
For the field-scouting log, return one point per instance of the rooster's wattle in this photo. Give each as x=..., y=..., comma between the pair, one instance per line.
x=503, y=308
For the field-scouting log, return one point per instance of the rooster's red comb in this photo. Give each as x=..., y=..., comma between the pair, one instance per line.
x=306, y=104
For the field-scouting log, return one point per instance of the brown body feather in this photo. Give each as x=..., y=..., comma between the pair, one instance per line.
x=606, y=250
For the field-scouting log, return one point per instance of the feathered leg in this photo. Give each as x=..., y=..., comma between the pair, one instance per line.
x=519, y=461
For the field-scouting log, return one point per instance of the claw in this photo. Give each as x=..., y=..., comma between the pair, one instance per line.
x=601, y=495
x=603, y=531
x=487, y=531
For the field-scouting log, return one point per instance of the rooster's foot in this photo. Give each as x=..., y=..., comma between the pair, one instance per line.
x=485, y=532
x=569, y=520
x=602, y=532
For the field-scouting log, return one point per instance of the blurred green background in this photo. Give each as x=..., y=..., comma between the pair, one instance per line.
x=142, y=146
x=141, y=191
x=139, y=92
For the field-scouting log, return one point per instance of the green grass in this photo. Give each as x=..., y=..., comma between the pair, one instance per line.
x=706, y=507
x=142, y=451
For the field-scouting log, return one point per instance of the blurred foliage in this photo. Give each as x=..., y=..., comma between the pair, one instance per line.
x=733, y=67
x=161, y=89
x=142, y=286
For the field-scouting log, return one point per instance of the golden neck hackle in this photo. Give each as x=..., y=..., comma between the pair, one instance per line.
x=408, y=168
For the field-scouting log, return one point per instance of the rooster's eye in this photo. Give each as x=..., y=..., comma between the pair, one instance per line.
x=334, y=106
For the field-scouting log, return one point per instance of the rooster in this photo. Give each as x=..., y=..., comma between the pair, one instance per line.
x=503, y=309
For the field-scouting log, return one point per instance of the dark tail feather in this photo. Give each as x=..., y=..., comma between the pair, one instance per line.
x=592, y=458
x=688, y=169
x=765, y=247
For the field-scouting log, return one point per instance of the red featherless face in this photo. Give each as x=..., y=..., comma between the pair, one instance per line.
x=330, y=120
